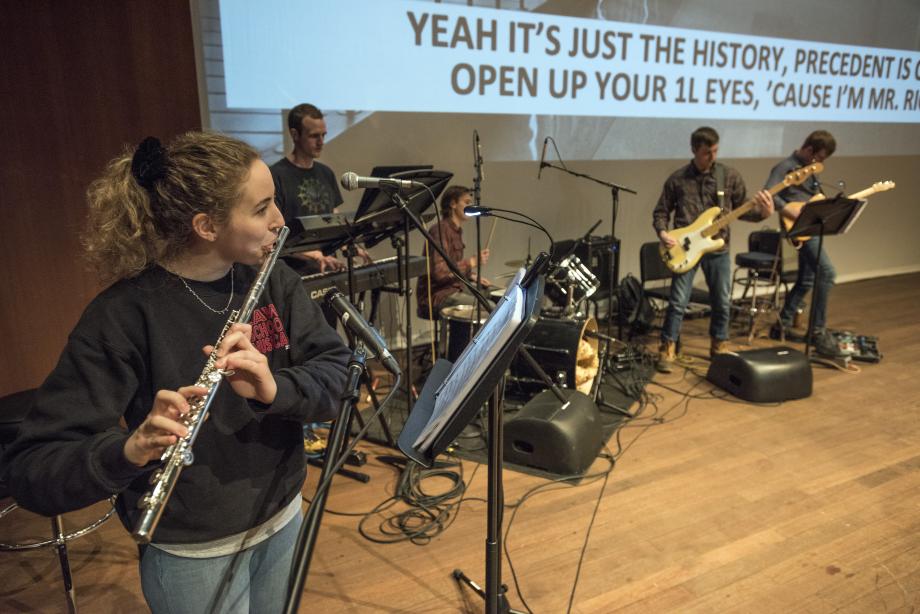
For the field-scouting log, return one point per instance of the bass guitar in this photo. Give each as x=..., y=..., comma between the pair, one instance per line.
x=881, y=186
x=695, y=240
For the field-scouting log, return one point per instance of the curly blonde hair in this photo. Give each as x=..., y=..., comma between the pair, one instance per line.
x=130, y=228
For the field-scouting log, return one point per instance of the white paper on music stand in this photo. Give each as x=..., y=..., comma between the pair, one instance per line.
x=514, y=282
x=473, y=363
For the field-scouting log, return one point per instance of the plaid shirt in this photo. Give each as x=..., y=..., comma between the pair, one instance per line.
x=688, y=192
x=443, y=282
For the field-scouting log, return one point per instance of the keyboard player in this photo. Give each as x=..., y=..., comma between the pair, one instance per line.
x=306, y=186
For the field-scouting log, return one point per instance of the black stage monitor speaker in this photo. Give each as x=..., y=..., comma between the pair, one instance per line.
x=563, y=441
x=767, y=375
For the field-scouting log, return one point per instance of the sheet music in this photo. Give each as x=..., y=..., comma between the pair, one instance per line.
x=514, y=282
x=473, y=362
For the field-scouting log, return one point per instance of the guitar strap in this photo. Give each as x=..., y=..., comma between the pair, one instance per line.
x=718, y=172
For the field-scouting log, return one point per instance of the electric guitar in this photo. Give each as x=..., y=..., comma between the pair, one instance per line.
x=695, y=240
x=797, y=242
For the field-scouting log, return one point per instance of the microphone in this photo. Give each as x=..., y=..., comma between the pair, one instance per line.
x=353, y=181
x=473, y=211
x=597, y=335
x=477, y=156
x=542, y=158
x=353, y=321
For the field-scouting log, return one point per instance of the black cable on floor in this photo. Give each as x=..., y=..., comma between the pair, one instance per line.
x=428, y=514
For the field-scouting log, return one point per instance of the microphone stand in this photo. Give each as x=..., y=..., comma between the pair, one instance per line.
x=477, y=200
x=614, y=270
x=309, y=530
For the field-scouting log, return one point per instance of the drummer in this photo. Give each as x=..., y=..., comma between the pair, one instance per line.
x=445, y=290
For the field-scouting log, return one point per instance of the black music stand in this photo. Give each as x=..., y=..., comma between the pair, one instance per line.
x=376, y=207
x=487, y=383
x=370, y=195
x=380, y=220
x=822, y=218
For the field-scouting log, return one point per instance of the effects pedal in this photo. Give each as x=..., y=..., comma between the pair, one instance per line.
x=863, y=348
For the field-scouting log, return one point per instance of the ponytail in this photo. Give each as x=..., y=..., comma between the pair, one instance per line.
x=120, y=240
x=141, y=209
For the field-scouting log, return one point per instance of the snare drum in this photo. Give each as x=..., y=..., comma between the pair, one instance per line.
x=457, y=323
x=571, y=276
x=564, y=351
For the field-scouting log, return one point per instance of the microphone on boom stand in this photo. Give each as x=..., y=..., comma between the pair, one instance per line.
x=542, y=158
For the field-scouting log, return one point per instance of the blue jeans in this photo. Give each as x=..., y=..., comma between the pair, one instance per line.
x=805, y=281
x=254, y=580
x=717, y=268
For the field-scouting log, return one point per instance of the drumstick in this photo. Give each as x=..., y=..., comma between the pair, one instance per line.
x=491, y=232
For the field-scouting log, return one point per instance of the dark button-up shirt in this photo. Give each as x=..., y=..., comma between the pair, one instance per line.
x=688, y=192
x=443, y=282
x=794, y=193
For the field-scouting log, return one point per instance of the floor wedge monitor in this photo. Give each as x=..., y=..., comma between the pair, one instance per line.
x=767, y=375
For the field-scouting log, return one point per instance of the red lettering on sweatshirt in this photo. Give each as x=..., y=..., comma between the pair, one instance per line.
x=268, y=332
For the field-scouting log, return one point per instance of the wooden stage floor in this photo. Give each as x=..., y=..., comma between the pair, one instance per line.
x=713, y=506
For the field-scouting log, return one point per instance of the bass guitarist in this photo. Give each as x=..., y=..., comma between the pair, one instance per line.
x=687, y=193
x=818, y=146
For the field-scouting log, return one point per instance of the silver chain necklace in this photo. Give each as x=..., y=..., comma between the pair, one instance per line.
x=200, y=300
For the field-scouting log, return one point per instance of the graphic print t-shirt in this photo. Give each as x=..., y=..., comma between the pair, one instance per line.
x=304, y=191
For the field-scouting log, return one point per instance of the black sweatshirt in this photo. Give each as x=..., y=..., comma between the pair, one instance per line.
x=145, y=334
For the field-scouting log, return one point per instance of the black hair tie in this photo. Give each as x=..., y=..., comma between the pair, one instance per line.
x=149, y=163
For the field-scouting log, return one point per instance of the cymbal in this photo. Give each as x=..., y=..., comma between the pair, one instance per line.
x=514, y=263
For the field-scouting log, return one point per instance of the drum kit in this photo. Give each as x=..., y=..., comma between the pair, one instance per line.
x=563, y=341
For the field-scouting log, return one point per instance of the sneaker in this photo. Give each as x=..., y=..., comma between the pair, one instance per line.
x=667, y=356
x=314, y=446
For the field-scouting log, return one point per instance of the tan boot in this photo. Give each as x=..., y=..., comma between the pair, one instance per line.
x=718, y=346
x=667, y=356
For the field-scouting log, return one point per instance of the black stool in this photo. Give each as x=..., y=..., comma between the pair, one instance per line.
x=13, y=409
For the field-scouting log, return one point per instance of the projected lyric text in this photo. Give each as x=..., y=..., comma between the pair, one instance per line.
x=637, y=70
x=411, y=56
